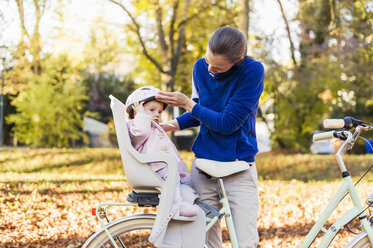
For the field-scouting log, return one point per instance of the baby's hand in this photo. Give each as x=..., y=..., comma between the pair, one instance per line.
x=138, y=106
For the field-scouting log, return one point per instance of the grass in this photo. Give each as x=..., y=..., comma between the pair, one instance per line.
x=309, y=167
x=88, y=164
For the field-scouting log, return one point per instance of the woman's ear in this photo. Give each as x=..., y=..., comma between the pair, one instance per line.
x=239, y=60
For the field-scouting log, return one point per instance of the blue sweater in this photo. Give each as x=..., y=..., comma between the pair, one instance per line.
x=226, y=111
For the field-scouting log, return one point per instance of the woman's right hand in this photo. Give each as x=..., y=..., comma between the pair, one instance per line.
x=176, y=99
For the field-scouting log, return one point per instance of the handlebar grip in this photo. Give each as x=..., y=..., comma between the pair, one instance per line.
x=323, y=136
x=334, y=123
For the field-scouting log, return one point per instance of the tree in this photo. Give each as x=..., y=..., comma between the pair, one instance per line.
x=49, y=111
x=352, y=50
x=48, y=94
x=28, y=53
x=100, y=58
x=169, y=40
x=292, y=48
x=171, y=35
x=331, y=78
x=106, y=84
x=244, y=17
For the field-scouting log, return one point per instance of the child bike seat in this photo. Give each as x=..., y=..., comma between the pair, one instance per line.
x=221, y=169
x=144, y=199
x=148, y=186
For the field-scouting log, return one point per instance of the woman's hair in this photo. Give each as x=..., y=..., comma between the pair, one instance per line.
x=229, y=42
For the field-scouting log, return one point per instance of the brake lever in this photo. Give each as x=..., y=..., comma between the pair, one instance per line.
x=341, y=134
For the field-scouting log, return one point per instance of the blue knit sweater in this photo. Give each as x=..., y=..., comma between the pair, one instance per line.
x=226, y=111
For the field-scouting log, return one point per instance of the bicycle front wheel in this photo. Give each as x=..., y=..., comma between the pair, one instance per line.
x=360, y=241
x=128, y=232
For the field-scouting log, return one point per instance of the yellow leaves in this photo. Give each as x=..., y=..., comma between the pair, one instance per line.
x=325, y=96
x=369, y=39
x=36, y=118
x=369, y=103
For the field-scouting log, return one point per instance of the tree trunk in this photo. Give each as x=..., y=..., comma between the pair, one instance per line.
x=34, y=46
x=244, y=14
x=292, y=49
x=171, y=48
x=168, y=82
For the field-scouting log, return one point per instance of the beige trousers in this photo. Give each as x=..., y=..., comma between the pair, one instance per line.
x=242, y=193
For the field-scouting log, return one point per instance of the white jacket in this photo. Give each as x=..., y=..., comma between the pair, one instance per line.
x=149, y=137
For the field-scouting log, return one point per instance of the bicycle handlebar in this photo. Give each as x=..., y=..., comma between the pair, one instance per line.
x=342, y=135
x=346, y=123
x=323, y=136
x=333, y=123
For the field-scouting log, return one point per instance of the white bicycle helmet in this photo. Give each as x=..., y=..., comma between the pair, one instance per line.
x=144, y=94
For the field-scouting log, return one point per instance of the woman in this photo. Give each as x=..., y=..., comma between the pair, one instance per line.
x=226, y=89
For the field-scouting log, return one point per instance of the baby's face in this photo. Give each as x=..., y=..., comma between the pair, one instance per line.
x=154, y=109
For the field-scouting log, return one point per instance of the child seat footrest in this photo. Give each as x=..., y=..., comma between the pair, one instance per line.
x=144, y=199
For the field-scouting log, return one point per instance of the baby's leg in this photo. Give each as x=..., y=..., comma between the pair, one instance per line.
x=184, y=175
x=163, y=173
x=185, y=179
x=186, y=209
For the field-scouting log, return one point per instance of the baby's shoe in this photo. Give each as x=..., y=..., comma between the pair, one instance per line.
x=188, y=210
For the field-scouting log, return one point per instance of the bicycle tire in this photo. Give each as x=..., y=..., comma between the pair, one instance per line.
x=360, y=241
x=133, y=232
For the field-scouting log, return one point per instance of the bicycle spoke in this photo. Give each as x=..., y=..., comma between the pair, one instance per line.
x=121, y=242
x=133, y=239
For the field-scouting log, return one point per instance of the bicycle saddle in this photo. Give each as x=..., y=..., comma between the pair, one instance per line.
x=221, y=169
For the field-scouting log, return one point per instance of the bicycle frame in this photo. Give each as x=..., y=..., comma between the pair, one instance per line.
x=101, y=210
x=357, y=209
x=225, y=211
x=346, y=187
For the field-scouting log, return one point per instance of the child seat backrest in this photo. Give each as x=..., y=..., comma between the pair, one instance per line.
x=140, y=177
x=143, y=179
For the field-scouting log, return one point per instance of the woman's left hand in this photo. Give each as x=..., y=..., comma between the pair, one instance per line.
x=176, y=99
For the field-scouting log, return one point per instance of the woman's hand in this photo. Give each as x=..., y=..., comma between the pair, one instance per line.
x=176, y=99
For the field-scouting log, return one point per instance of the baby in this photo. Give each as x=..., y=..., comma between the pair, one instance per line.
x=147, y=136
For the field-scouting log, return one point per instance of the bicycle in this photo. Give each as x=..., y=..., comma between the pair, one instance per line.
x=365, y=238
x=117, y=233
x=127, y=231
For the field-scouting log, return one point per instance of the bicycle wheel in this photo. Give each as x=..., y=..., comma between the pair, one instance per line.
x=360, y=241
x=128, y=232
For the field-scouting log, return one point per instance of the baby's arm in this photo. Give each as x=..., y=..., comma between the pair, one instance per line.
x=172, y=125
x=140, y=130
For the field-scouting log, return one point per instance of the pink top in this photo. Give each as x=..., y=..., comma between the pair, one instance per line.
x=148, y=137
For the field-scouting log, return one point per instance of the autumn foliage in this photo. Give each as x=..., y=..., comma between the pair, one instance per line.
x=46, y=195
